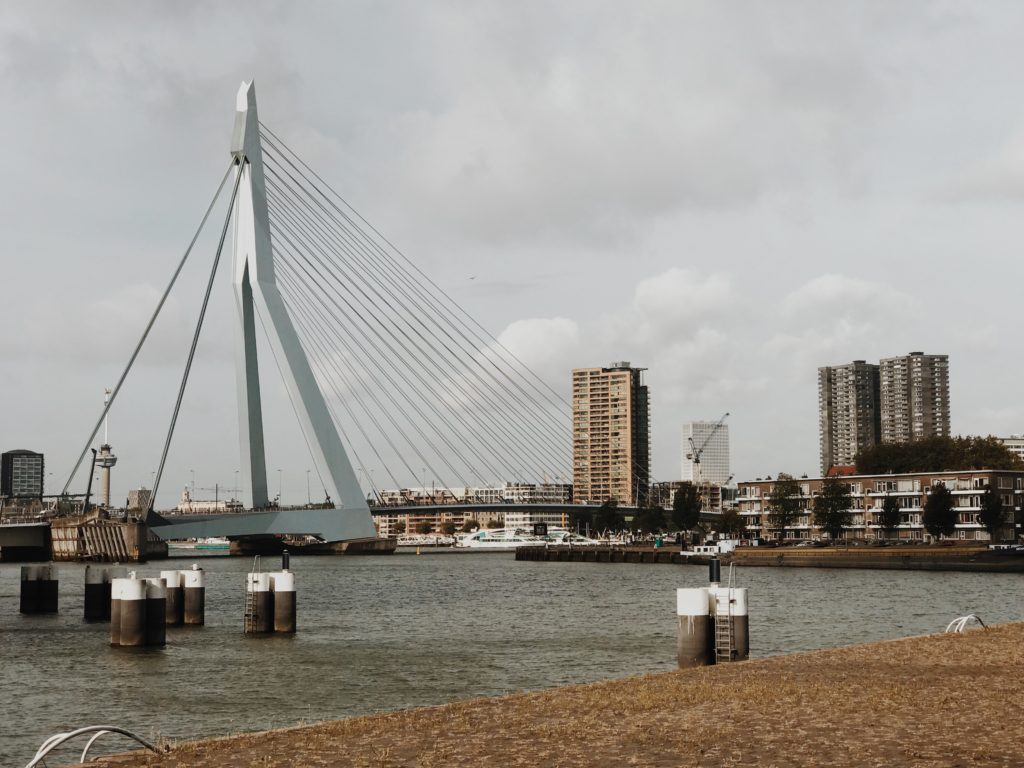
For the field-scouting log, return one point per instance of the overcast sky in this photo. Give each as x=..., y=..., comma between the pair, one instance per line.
x=729, y=194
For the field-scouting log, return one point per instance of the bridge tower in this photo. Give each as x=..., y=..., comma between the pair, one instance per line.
x=256, y=294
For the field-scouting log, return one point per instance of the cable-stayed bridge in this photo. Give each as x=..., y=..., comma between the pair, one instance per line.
x=388, y=376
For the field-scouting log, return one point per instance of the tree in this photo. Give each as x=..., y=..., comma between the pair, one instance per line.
x=731, y=523
x=649, y=519
x=448, y=528
x=686, y=505
x=785, y=504
x=606, y=518
x=889, y=516
x=991, y=515
x=495, y=524
x=469, y=525
x=832, y=507
x=937, y=454
x=939, y=514
x=424, y=527
x=399, y=527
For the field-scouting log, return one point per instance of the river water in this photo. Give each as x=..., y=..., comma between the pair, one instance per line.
x=383, y=633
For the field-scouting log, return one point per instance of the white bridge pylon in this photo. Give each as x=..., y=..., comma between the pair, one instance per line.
x=256, y=294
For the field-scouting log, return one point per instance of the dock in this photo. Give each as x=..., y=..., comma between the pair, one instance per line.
x=616, y=553
x=937, y=700
x=970, y=558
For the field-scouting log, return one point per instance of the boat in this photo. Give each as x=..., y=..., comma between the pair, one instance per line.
x=499, y=539
x=215, y=542
x=510, y=539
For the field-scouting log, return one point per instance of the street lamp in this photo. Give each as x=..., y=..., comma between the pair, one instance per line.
x=237, y=489
x=279, y=486
x=308, y=501
x=193, y=482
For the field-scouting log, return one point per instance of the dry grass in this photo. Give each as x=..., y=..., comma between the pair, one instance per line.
x=941, y=700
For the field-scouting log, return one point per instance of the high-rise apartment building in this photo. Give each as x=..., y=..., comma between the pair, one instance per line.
x=611, y=440
x=914, y=397
x=21, y=475
x=713, y=436
x=848, y=413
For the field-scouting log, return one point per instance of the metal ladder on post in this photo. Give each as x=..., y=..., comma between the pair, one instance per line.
x=250, y=617
x=725, y=637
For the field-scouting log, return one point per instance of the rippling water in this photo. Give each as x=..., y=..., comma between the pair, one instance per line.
x=382, y=633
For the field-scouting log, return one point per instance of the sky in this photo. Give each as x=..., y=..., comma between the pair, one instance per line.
x=728, y=194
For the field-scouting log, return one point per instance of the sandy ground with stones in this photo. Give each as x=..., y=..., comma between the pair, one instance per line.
x=940, y=700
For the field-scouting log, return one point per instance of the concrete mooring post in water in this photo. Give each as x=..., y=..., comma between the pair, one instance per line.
x=38, y=589
x=694, y=642
x=283, y=586
x=98, y=596
x=259, y=604
x=156, y=612
x=131, y=596
x=713, y=622
x=175, y=614
x=194, y=592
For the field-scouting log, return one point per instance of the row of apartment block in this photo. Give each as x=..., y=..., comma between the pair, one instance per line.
x=868, y=493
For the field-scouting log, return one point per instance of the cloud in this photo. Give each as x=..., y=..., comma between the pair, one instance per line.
x=995, y=176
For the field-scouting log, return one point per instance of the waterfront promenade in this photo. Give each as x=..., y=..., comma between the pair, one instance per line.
x=939, y=700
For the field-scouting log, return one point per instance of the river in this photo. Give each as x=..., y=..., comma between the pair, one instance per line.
x=383, y=633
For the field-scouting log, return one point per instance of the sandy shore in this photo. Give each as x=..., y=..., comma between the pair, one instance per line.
x=941, y=700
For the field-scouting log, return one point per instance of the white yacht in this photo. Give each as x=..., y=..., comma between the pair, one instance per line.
x=499, y=539
x=508, y=539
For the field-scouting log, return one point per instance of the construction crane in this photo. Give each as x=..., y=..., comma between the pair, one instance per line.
x=696, y=453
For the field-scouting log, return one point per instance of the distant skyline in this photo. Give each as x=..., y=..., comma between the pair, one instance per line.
x=730, y=196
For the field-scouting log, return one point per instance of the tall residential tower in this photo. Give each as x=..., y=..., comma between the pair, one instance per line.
x=848, y=412
x=915, y=397
x=611, y=436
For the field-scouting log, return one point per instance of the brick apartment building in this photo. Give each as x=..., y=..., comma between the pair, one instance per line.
x=868, y=493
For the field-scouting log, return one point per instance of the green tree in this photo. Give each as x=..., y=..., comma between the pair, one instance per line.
x=469, y=525
x=991, y=515
x=606, y=517
x=399, y=528
x=424, y=527
x=731, y=523
x=888, y=516
x=686, y=505
x=495, y=524
x=448, y=528
x=785, y=505
x=649, y=519
x=937, y=454
x=832, y=507
x=939, y=513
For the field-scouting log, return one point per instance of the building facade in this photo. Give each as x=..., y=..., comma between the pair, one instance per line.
x=914, y=397
x=714, y=458
x=849, y=417
x=21, y=474
x=1014, y=443
x=868, y=494
x=611, y=435
x=711, y=494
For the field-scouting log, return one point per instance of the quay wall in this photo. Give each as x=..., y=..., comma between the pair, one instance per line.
x=921, y=558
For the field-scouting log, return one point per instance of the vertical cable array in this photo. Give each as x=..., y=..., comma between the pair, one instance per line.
x=412, y=381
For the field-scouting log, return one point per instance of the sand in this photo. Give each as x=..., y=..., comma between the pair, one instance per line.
x=940, y=700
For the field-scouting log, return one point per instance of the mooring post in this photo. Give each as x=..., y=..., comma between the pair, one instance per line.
x=694, y=647
x=194, y=589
